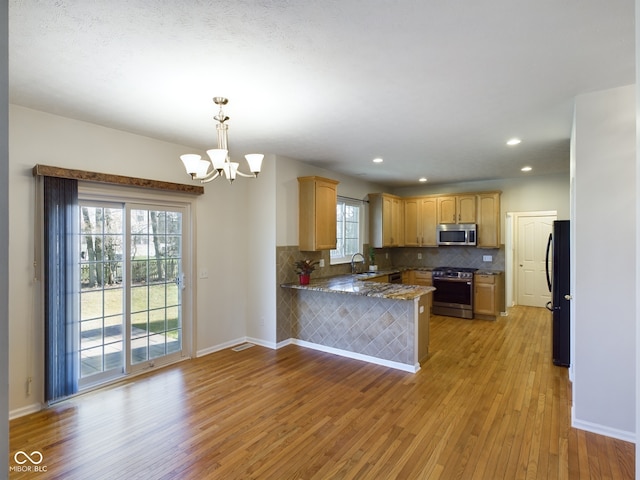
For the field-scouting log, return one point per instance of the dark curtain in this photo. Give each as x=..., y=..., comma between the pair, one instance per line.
x=61, y=290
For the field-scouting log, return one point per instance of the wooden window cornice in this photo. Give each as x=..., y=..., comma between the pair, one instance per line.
x=59, y=172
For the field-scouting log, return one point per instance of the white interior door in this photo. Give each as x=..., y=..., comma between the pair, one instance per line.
x=532, y=232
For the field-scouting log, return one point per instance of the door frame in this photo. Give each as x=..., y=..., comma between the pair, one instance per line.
x=120, y=194
x=511, y=225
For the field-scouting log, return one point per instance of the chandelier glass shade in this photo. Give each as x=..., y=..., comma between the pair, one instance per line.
x=222, y=166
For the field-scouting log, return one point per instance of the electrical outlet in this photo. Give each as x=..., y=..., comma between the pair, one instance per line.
x=487, y=258
x=204, y=273
x=321, y=263
x=419, y=256
x=386, y=255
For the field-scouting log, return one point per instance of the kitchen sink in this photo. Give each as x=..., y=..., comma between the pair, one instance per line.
x=368, y=274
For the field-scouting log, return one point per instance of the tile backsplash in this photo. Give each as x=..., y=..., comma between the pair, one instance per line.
x=447, y=256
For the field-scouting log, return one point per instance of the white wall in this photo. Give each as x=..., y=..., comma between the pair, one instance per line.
x=604, y=284
x=221, y=238
x=261, y=285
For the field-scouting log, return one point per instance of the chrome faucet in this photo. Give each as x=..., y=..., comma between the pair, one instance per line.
x=353, y=261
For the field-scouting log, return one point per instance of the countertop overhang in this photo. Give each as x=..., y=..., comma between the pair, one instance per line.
x=352, y=285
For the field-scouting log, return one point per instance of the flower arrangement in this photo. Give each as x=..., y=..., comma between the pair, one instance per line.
x=305, y=267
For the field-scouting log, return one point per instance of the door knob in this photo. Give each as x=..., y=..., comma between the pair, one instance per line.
x=568, y=297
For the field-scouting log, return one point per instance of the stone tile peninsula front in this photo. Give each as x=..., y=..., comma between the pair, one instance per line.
x=382, y=323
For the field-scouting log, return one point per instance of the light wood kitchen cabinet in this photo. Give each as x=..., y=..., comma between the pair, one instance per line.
x=386, y=220
x=457, y=209
x=318, y=198
x=488, y=220
x=488, y=297
x=420, y=221
x=422, y=277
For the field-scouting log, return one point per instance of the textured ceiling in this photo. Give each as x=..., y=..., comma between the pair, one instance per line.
x=433, y=87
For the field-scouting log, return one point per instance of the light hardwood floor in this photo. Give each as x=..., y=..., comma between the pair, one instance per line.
x=487, y=404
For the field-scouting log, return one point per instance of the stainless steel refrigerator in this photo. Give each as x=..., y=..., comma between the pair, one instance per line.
x=558, y=279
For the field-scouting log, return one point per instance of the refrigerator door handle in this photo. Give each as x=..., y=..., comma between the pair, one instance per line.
x=547, y=261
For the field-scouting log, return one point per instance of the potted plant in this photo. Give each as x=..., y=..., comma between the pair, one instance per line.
x=372, y=260
x=304, y=268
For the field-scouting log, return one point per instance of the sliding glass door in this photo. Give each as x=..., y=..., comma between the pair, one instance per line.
x=102, y=321
x=155, y=285
x=131, y=283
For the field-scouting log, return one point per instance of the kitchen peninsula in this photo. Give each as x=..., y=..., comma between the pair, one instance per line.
x=381, y=323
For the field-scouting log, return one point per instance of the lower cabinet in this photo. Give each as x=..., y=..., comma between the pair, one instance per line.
x=488, y=295
x=422, y=277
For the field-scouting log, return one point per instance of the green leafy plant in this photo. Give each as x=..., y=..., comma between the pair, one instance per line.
x=305, y=267
x=372, y=256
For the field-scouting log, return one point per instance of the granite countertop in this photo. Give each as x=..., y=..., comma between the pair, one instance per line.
x=351, y=285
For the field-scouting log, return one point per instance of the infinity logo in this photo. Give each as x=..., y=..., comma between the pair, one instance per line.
x=35, y=454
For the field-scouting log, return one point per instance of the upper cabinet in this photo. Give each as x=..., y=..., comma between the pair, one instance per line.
x=386, y=220
x=457, y=209
x=421, y=215
x=420, y=220
x=489, y=220
x=317, y=202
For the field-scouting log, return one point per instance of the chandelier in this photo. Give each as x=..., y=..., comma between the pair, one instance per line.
x=198, y=168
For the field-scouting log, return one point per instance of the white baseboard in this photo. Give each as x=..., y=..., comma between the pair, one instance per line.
x=284, y=343
x=262, y=343
x=357, y=356
x=221, y=346
x=21, y=412
x=602, y=430
x=233, y=343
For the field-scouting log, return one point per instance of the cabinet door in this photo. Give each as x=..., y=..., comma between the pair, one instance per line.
x=317, y=218
x=484, y=299
x=326, y=217
x=397, y=222
x=466, y=208
x=489, y=220
x=411, y=223
x=387, y=222
x=423, y=278
x=446, y=209
x=428, y=220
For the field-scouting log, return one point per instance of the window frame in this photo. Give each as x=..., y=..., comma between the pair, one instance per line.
x=346, y=258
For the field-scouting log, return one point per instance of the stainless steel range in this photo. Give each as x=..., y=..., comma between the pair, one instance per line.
x=454, y=291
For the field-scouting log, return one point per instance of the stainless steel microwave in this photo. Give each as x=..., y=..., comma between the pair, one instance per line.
x=456, y=234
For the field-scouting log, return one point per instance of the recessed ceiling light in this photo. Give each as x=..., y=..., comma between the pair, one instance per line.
x=526, y=169
x=377, y=160
x=513, y=141
x=422, y=179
